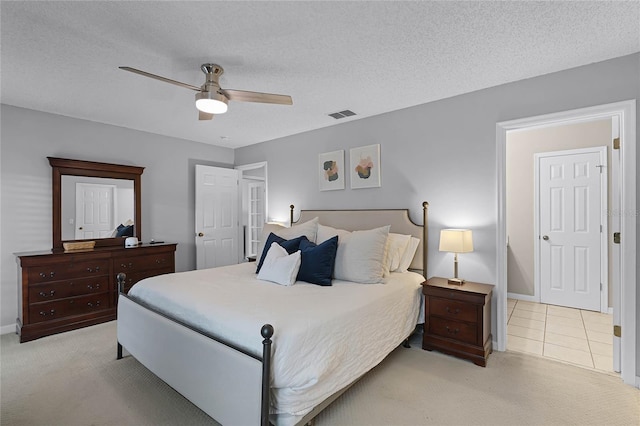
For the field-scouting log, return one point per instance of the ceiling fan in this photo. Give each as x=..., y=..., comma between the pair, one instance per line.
x=211, y=99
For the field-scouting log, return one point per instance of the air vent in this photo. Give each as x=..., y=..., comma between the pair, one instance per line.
x=342, y=114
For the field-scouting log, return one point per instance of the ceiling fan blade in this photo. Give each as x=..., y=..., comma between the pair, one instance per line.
x=204, y=115
x=267, y=98
x=157, y=77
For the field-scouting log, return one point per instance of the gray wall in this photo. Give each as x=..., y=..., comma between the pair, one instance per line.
x=168, y=184
x=443, y=152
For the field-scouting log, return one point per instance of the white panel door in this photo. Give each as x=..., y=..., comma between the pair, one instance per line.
x=95, y=206
x=570, y=235
x=216, y=217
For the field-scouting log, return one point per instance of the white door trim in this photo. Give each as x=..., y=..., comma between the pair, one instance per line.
x=626, y=111
x=604, y=248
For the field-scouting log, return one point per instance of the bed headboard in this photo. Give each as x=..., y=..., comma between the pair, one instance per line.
x=357, y=220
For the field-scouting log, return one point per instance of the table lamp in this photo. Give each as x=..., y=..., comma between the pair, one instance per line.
x=456, y=241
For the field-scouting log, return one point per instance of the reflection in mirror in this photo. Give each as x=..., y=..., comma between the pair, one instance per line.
x=118, y=177
x=96, y=207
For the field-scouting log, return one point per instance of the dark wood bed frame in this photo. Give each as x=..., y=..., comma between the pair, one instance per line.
x=267, y=333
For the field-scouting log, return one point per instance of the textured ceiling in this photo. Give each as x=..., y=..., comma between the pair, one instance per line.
x=369, y=57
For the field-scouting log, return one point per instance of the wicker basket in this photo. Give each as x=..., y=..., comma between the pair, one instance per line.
x=79, y=245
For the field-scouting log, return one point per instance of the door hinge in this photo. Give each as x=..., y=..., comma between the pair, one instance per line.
x=600, y=167
x=600, y=228
x=617, y=331
x=616, y=143
x=616, y=238
x=600, y=286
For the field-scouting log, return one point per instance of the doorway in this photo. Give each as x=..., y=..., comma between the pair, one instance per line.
x=253, y=208
x=624, y=294
x=570, y=224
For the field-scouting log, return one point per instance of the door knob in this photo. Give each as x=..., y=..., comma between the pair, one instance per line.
x=80, y=227
x=545, y=237
x=200, y=234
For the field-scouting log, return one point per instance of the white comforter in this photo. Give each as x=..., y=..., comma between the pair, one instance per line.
x=325, y=337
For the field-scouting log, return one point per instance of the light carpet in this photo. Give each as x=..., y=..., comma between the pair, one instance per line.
x=74, y=379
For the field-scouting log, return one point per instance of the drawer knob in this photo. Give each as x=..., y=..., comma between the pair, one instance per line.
x=51, y=293
x=91, y=305
x=91, y=287
x=44, y=275
x=454, y=331
x=89, y=270
x=455, y=311
x=51, y=312
x=122, y=265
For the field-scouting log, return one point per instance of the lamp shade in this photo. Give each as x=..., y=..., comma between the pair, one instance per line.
x=456, y=240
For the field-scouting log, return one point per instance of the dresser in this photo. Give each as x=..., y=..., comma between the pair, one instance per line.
x=62, y=291
x=458, y=319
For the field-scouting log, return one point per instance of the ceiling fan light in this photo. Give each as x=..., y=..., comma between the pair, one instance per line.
x=211, y=102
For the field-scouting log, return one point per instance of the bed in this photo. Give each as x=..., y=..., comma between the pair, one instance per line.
x=290, y=350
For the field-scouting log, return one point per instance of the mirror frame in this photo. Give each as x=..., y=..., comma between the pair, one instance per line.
x=64, y=166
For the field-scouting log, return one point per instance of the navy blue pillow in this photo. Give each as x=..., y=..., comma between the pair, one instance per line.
x=291, y=246
x=317, y=261
x=125, y=231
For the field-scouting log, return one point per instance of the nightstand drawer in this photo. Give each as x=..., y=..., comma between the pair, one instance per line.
x=452, y=309
x=460, y=331
x=454, y=294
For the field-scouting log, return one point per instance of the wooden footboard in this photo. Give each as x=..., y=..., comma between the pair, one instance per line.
x=228, y=383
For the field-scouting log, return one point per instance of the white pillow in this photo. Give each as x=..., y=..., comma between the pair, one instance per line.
x=396, y=246
x=360, y=255
x=326, y=232
x=279, y=266
x=308, y=229
x=407, y=257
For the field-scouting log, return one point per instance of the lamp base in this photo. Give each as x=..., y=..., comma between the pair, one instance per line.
x=455, y=281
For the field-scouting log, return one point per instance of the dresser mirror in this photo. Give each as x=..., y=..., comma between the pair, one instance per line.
x=95, y=201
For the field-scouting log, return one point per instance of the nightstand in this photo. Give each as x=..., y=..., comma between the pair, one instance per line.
x=458, y=319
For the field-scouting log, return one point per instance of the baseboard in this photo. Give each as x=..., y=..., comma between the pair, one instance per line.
x=8, y=329
x=527, y=298
x=638, y=382
x=522, y=297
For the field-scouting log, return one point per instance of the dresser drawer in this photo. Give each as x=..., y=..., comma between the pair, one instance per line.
x=39, y=312
x=61, y=271
x=134, y=277
x=69, y=288
x=460, y=331
x=453, y=309
x=143, y=263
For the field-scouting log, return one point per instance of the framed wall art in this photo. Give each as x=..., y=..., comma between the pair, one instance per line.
x=331, y=170
x=364, y=166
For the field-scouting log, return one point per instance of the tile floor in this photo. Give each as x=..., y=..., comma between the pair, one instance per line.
x=571, y=335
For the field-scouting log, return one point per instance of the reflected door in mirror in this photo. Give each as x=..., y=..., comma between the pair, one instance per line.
x=94, y=208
